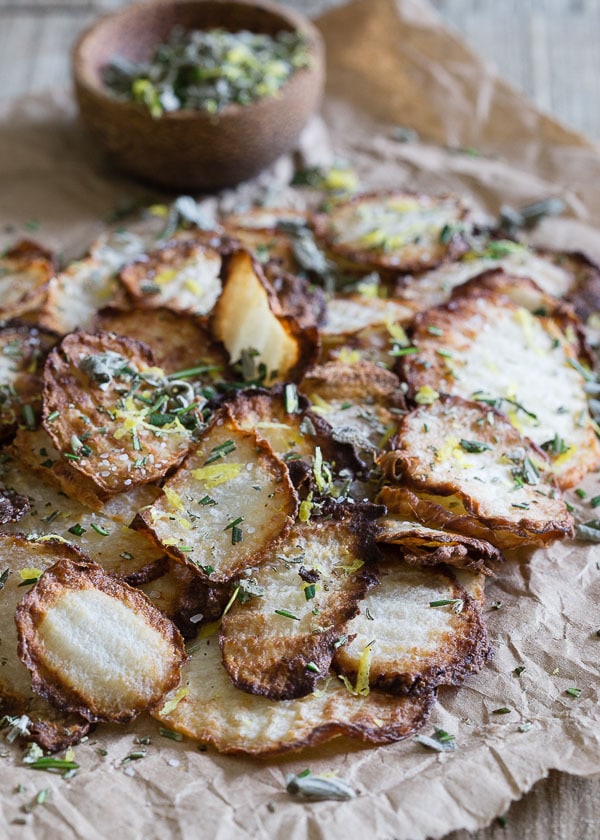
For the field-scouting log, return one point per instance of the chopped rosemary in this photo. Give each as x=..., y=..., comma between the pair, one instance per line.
x=28, y=416
x=236, y=535
x=433, y=330
x=4, y=578
x=519, y=670
x=169, y=733
x=234, y=524
x=456, y=604
x=53, y=765
x=573, y=692
x=220, y=451
x=310, y=591
x=581, y=493
x=440, y=741
x=474, y=446
x=595, y=501
x=317, y=788
x=503, y=710
x=310, y=666
x=99, y=529
x=287, y=614
x=292, y=405
x=77, y=530
x=54, y=415
x=207, y=500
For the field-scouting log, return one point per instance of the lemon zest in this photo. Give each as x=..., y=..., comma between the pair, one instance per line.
x=172, y=704
x=174, y=499
x=426, y=395
x=30, y=574
x=215, y=474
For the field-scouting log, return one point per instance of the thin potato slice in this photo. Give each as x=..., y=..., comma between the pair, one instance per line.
x=280, y=643
x=182, y=595
x=182, y=275
x=484, y=346
x=297, y=297
x=372, y=344
x=463, y=451
x=422, y=546
x=361, y=402
x=179, y=342
x=394, y=231
x=555, y=273
x=226, y=507
x=349, y=314
x=76, y=294
x=21, y=560
x=23, y=350
x=25, y=271
x=109, y=412
x=248, y=316
x=131, y=660
x=103, y=535
x=409, y=636
x=215, y=712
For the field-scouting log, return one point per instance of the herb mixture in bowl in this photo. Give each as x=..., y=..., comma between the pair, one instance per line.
x=208, y=70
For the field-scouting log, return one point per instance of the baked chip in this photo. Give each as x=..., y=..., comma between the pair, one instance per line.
x=21, y=562
x=25, y=271
x=76, y=294
x=281, y=642
x=362, y=402
x=351, y=313
x=554, y=272
x=297, y=297
x=12, y=506
x=182, y=275
x=113, y=415
x=418, y=629
x=211, y=710
x=480, y=467
x=124, y=667
x=394, y=231
x=226, y=507
x=23, y=350
x=483, y=346
x=103, y=535
x=186, y=599
x=248, y=317
x=180, y=343
x=422, y=546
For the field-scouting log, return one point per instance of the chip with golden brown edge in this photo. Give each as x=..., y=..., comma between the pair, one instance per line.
x=185, y=598
x=351, y=313
x=362, y=402
x=371, y=344
x=394, y=231
x=293, y=434
x=464, y=451
x=76, y=294
x=109, y=412
x=265, y=244
x=418, y=629
x=248, y=316
x=23, y=350
x=214, y=712
x=103, y=535
x=297, y=296
x=483, y=346
x=227, y=506
x=281, y=642
x=182, y=275
x=25, y=271
x=555, y=273
x=124, y=667
x=422, y=546
x=179, y=342
x=21, y=561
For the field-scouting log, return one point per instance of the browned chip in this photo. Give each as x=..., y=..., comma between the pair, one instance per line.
x=182, y=275
x=21, y=561
x=113, y=672
x=479, y=466
x=265, y=244
x=248, y=317
x=394, y=231
x=211, y=710
x=297, y=297
x=416, y=630
x=25, y=271
x=179, y=342
x=226, y=507
x=185, y=598
x=12, y=506
x=103, y=535
x=484, y=346
x=350, y=313
x=362, y=402
x=112, y=415
x=419, y=545
x=77, y=293
x=280, y=642
x=23, y=350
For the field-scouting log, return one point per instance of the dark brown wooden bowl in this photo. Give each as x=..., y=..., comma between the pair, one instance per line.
x=191, y=149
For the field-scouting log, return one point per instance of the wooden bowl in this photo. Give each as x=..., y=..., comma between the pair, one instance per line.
x=191, y=149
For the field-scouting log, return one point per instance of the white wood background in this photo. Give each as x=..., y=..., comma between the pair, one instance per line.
x=550, y=49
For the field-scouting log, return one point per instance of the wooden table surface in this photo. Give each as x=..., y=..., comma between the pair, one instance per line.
x=547, y=48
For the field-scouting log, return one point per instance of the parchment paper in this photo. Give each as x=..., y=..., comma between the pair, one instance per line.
x=390, y=63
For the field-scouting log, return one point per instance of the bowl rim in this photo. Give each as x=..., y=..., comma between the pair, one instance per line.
x=96, y=89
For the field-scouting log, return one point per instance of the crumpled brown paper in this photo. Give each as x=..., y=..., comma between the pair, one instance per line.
x=390, y=63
